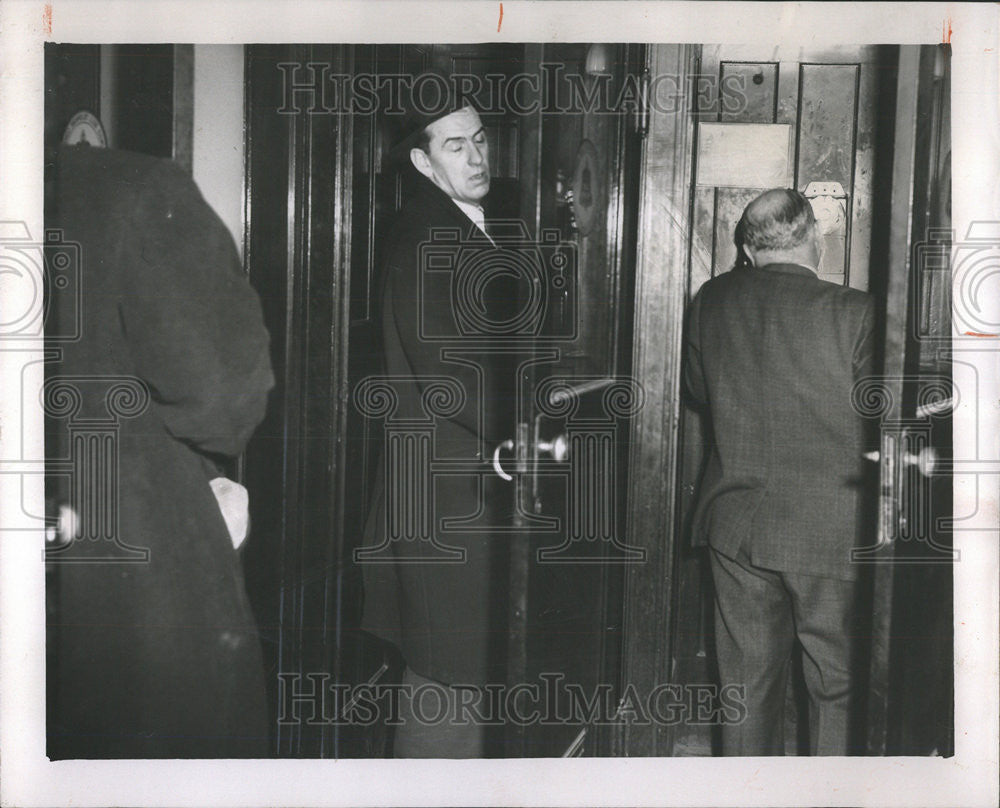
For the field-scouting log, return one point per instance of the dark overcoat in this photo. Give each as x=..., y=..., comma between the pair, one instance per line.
x=157, y=657
x=446, y=614
x=774, y=354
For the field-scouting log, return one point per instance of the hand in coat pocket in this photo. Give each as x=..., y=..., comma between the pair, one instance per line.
x=234, y=503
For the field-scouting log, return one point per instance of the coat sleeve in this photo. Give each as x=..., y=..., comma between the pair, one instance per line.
x=694, y=378
x=863, y=358
x=192, y=322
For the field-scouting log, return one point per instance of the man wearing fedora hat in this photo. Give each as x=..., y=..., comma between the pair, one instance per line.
x=436, y=592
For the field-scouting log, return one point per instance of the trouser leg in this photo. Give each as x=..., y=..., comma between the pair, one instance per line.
x=824, y=611
x=434, y=725
x=754, y=634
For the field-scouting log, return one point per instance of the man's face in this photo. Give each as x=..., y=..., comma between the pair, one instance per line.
x=457, y=160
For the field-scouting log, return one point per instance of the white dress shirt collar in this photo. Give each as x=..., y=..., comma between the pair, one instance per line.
x=474, y=212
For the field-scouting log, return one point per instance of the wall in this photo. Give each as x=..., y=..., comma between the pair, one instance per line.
x=141, y=114
x=218, y=132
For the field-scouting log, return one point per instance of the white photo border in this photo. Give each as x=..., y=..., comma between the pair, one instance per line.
x=967, y=779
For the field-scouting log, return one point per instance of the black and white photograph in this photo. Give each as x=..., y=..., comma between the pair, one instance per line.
x=452, y=406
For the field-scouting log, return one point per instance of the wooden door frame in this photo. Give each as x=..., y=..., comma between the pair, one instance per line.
x=910, y=224
x=297, y=255
x=661, y=290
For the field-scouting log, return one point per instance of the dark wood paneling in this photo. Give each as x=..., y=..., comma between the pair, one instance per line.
x=567, y=606
x=566, y=613
x=910, y=708
x=272, y=487
x=298, y=176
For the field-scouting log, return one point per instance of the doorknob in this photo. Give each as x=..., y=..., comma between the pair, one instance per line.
x=66, y=529
x=925, y=460
x=558, y=447
x=508, y=445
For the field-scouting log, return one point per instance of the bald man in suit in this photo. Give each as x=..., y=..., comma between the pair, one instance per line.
x=772, y=353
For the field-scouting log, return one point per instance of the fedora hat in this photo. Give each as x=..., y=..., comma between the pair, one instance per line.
x=430, y=97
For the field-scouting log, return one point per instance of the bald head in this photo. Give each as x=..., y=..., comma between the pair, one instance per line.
x=779, y=227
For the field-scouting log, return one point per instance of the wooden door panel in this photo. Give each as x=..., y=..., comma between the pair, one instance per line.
x=296, y=247
x=828, y=100
x=748, y=91
x=576, y=564
x=568, y=574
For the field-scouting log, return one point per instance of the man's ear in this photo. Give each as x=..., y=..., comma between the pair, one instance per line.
x=819, y=244
x=420, y=162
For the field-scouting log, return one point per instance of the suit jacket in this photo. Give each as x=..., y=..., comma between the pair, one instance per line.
x=159, y=658
x=773, y=354
x=442, y=615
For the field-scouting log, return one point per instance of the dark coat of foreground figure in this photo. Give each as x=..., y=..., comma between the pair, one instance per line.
x=159, y=658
